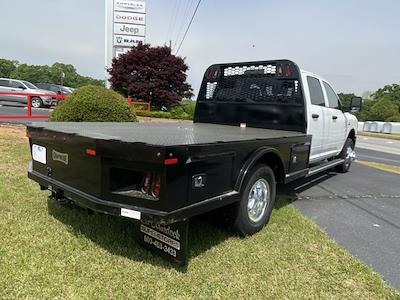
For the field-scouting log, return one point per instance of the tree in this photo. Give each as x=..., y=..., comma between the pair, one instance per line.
x=45, y=73
x=151, y=74
x=391, y=92
x=383, y=109
x=7, y=67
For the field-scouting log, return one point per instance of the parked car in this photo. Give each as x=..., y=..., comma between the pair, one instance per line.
x=59, y=89
x=255, y=124
x=22, y=86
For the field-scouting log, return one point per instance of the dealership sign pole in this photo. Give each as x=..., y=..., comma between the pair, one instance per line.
x=125, y=28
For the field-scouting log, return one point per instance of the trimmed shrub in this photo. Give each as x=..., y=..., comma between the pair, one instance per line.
x=93, y=104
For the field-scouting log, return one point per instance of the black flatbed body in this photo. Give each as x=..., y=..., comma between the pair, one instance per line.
x=224, y=153
x=165, y=134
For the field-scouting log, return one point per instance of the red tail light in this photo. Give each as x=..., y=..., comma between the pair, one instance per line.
x=156, y=186
x=146, y=182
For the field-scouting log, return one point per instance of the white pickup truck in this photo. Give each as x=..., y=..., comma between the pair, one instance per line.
x=255, y=124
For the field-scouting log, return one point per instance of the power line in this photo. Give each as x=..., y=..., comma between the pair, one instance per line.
x=173, y=12
x=175, y=19
x=187, y=29
x=185, y=18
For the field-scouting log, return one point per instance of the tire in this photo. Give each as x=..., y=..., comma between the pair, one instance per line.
x=36, y=102
x=348, y=155
x=251, y=214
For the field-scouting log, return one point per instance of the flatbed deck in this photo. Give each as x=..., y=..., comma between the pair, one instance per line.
x=165, y=134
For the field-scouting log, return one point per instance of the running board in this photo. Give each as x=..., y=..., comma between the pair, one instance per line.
x=325, y=166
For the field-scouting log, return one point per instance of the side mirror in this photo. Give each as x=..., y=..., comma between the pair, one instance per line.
x=22, y=87
x=355, y=105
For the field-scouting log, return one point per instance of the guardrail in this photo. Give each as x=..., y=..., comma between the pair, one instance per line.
x=380, y=127
x=147, y=104
x=28, y=101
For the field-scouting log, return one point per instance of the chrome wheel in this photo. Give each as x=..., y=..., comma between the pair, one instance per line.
x=350, y=156
x=36, y=103
x=259, y=197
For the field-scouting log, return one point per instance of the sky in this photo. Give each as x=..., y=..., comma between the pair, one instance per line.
x=355, y=45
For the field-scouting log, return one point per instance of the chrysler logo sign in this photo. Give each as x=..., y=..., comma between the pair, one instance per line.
x=130, y=5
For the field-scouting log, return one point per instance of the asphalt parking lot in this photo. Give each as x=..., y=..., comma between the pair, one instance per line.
x=360, y=210
x=6, y=110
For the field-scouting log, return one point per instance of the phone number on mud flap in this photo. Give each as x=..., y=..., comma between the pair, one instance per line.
x=159, y=245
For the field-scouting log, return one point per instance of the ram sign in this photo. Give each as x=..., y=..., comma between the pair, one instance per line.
x=125, y=28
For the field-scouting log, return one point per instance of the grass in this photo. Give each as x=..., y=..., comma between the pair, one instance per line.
x=380, y=166
x=48, y=251
x=391, y=136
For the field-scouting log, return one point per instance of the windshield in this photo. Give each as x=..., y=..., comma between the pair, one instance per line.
x=30, y=85
x=66, y=89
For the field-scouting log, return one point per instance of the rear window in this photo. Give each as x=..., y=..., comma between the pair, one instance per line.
x=316, y=94
x=251, y=85
x=4, y=83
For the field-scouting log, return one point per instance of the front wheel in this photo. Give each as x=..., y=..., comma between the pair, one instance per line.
x=257, y=200
x=36, y=102
x=348, y=155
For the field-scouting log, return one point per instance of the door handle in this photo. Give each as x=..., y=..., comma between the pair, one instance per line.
x=334, y=117
x=315, y=116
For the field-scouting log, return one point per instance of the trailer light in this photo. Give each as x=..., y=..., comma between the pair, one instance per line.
x=146, y=182
x=288, y=70
x=156, y=186
x=280, y=70
x=91, y=152
x=170, y=161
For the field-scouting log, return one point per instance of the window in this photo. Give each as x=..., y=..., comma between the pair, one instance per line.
x=254, y=88
x=316, y=94
x=29, y=85
x=332, y=98
x=54, y=88
x=4, y=83
x=16, y=84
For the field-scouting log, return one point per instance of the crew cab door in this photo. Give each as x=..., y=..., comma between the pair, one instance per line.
x=315, y=115
x=335, y=121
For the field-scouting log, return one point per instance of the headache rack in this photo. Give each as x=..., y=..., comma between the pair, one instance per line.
x=266, y=94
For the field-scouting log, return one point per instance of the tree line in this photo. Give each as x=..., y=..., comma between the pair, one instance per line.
x=57, y=73
x=382, y=105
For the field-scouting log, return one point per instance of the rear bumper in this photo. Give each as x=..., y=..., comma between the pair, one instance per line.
x=85, y=200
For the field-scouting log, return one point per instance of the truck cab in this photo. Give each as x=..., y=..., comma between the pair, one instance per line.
x=327, y=123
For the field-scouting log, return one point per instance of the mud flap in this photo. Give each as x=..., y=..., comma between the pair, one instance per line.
x=170, y=242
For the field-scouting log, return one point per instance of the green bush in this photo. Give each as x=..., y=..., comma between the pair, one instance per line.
x=395, y=118
x=93, y=104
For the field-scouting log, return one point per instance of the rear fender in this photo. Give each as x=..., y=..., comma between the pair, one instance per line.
x=256, y=157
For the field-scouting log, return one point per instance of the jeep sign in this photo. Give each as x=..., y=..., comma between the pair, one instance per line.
x=137, y=30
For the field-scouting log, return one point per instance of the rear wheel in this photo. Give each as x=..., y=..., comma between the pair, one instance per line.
x=348, y=155
x=36, y=102
x=257, y=200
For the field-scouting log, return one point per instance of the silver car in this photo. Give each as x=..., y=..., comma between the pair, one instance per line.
x=22, y=86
